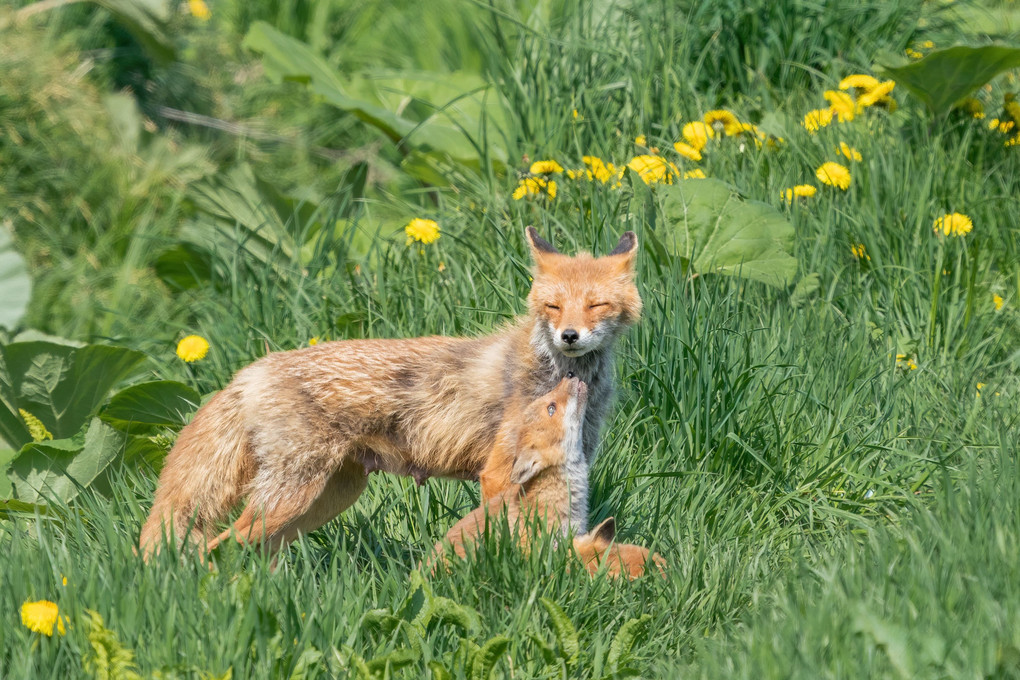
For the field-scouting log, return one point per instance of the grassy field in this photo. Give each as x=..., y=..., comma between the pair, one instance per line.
x=823, y=446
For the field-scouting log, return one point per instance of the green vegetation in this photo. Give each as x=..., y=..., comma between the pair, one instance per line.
x=816, y=423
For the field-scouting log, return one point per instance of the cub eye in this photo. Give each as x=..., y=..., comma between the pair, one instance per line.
x=551, y=409
x=598, y=304
x=548, y=306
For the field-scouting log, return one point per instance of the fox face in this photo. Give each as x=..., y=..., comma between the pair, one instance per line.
x=582, y=302
x=551, y=429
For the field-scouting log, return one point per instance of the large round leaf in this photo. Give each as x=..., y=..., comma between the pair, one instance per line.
x=944, y=77
x=161, y=403
x=718, y=232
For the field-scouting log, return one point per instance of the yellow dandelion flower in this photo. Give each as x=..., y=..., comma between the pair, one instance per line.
x=550, y=189
x=313, y=341
x=816, y=119
x=421, y=230
x=841, y=104
x=687, y=151
x=598, y=169
x=927, y=45
x=834, y=174
x=755, y=132
x=858, y=81
x=906, y=363
x=851, y=153
x=653, y=169
x=722, y=121
x=697, y=134
x=980, y=386
x=1006, y=126
x=192, y=348
x=1015, y=141
x=199, y=9
x=545, y=168
x=641, y=140
x=531, y=186
x=696, y=173
x=878, y=95
x=913, y=54
x=953, y=224
x=993, y=123
x=63, y=580
x=41, y=616
x=799, y=191
x=859, y=252
x=576, y=115
x=997, y=301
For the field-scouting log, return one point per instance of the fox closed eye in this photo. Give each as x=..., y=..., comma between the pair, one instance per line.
x=598, y=304
x=549, y=306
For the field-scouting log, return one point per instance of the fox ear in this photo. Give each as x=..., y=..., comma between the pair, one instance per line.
x=604, y=533
x=626, y=250
x=526, y=466
x=540, y=248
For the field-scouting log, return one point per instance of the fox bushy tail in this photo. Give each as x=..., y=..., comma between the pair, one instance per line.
x=204, y=477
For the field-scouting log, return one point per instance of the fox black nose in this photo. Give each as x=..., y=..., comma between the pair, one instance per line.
x=570, y=336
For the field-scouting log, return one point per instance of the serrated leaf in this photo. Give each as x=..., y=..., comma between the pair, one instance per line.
x=623, y=642
x=109, y=658
x=445, y=610
x=487, y=657
x=439, y=671
x=395, y=660
x=717, y=232
x=15, y=283
x=547, y=651
x=944, y=77
x=143, y=407
x=566, y=634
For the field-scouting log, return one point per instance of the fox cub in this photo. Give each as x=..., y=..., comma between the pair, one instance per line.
x=296, y=433
x=550, y=486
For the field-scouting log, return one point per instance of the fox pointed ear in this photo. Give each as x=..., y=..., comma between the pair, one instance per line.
x=626, y=250
x=540, y=248
x=526, y=466
x=605, y=532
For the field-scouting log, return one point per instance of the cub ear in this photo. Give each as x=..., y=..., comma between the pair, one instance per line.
x=526, y=466
x=626, y=250
x=605, y=532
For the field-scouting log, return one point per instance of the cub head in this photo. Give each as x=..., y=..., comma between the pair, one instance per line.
x=582, y=302
x=550, y=433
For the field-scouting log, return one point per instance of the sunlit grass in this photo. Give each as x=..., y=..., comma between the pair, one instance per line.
x=825, y=510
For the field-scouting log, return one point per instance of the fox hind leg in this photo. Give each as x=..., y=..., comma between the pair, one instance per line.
x=299, y=509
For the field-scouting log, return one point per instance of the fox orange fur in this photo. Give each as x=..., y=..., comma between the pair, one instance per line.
x=296, y=433
x=550, y=486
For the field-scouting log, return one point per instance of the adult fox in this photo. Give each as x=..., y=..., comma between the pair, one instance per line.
x=297, y=432
x=549, y=488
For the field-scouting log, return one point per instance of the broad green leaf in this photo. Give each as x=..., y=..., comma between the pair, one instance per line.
x=717, y=232
x=566, y=634
x=623, y=642
x=161, y=403
x=147, y=21
x=62, y=467
x=486, y=657
x=944, y=77
x=62, y=385
x=15, y=284
x=445, y=113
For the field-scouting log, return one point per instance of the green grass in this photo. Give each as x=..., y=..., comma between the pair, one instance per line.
x=825, y=511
